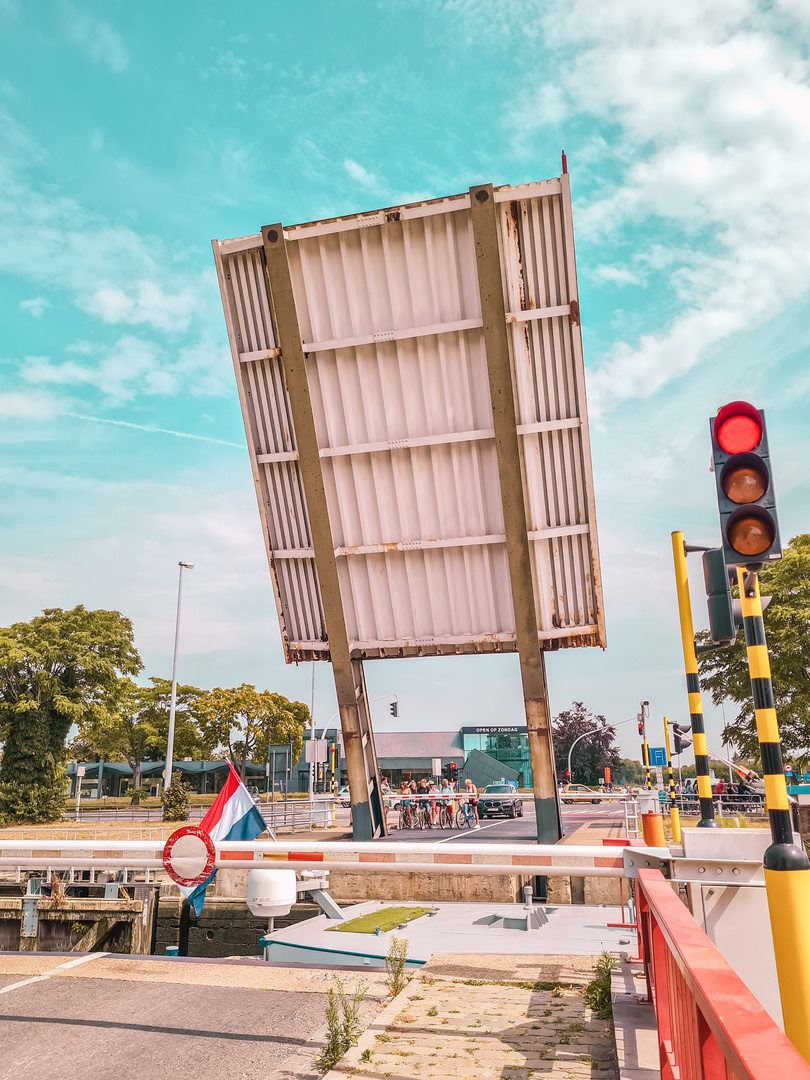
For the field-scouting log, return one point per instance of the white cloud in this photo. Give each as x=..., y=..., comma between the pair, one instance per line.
x=361, y=176
x=712, y=104
x=27, y=406
x=616, y=275
x=133, y=366
x=36, y=306
x=227, y=64
x=146, y=302
x=97, y=39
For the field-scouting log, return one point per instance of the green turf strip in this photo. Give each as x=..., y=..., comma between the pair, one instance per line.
x=385, y=919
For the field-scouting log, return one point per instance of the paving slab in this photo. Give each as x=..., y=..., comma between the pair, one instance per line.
x=634, y=1024
x=459, y=1029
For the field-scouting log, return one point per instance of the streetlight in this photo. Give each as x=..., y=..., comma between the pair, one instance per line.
x=585, y=734
x=167, y=775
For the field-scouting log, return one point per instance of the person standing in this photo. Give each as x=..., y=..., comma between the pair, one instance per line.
x=386, y=791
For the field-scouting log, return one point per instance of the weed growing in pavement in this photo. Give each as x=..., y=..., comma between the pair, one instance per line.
x=557, y=991
x=342, y=1022
x=539, y=984
x=366, y=1055
x=395, y=962
x=433, y=1011
x=597, y=992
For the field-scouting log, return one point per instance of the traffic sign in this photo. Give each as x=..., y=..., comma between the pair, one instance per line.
x=658, y=756
x=189, y=855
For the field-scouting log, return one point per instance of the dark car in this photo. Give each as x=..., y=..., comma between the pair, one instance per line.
x=500, y=799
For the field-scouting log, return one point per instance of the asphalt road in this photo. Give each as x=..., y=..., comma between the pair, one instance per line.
x=514, y=830
x=89, y=1029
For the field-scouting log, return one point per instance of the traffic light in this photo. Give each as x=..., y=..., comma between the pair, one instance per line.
x=641, y=727
x=567, y=776
x=394, y=707
x=745, y=495
x=678, y=736
x=724, y=621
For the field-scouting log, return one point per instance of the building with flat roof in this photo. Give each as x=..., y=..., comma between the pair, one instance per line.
x=497, y=751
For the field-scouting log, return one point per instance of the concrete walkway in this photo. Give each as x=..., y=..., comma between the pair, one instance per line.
x=469, y=1028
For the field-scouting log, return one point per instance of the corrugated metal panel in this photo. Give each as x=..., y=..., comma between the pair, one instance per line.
x=389, y=313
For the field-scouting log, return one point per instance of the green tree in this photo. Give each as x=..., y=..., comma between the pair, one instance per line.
x=138, y=730
x=244, y=721
x=59, y=669
x=724, y=672
x=592, y=755
x=630, y=771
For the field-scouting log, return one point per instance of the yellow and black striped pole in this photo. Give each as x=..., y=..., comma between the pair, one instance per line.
x=704, y=786
x=645, y=753
x=674, y=814
x=787, y=870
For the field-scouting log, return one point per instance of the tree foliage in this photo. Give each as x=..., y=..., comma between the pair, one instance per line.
x=591, y=755
x=138, y=730
x=724, y=672
x=245, y=721
x=61, y=668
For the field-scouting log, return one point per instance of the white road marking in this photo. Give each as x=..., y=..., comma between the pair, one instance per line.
x=59, y=967
x=470, y=831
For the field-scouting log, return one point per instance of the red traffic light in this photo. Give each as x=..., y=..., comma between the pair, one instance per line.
x=738, y=427
x=452, y=766
x=640, y=728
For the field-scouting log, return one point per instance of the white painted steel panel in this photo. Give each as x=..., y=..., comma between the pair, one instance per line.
x=389, y=313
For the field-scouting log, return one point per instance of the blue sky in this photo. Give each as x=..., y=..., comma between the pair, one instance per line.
x=130, y=135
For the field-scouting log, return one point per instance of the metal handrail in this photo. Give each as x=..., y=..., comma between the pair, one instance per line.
x=710, y=1025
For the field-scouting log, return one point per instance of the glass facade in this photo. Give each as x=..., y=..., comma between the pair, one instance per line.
x=509, y=745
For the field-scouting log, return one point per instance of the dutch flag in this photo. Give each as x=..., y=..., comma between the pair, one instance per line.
x=233, y=816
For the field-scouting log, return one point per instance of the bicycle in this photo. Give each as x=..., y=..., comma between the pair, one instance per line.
x=465, y=815
x=445, y=818
x=405, y=817
x=423, y=819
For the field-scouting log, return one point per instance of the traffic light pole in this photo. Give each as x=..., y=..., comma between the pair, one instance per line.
x=645, y=754
x=674, y=814
x=707, y=819
x=787, y=870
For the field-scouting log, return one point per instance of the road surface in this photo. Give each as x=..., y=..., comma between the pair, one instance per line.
x=515, y=830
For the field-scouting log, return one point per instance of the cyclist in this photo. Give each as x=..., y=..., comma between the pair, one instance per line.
x=471, y=791
x=434, y=806
x=446, y=792
x=405, y=803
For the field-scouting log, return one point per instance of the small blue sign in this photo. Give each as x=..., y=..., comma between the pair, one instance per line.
x=658, y=755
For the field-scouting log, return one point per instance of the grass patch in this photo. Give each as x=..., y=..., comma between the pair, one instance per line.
x=538, y=984
x=386, y=919
x=597, y=992
x=342, y=1021
x=395, y=960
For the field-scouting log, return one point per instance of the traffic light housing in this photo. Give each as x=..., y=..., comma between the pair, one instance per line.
x=394, y=707
x=745, y=493
x=724, y=621
x=641, y=727
x=567, y=776
x=680, y=742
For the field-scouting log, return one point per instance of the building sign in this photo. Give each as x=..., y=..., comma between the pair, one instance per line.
x=493, y=731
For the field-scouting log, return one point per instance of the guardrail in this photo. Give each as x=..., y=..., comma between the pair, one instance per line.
x=544, y=860
x=710, y=1026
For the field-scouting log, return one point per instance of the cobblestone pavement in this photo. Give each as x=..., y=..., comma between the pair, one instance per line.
x=451, y=1028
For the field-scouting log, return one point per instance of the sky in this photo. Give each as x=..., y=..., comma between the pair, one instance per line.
x=131, y=135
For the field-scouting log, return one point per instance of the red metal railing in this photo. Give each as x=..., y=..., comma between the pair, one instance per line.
x=710, y=1026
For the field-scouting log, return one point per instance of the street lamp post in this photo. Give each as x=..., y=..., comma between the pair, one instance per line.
x=167, y=775
x=574, y=743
